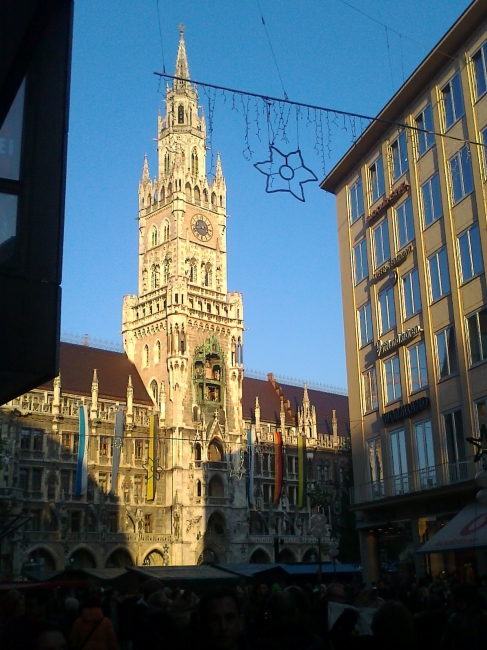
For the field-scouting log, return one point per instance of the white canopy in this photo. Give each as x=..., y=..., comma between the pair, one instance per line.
x=467, y=529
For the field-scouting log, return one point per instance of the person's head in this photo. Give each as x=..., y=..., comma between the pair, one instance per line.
x=150, y=587
x=281, y=607
x=158, y=601
x=71, y=605
x=464, y=595
x=261, y=590
x=335, y=593
x=393, y=626
x=91, y=601
x=51, y=639
x=220, y=618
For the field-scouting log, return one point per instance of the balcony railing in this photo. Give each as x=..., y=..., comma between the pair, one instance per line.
x=417, y=481
x=285, y=539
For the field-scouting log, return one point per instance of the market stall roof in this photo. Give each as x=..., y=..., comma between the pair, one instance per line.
x=467, y=529
x=183, y=573
x=266, y=571
x=311, y=569
x=105, y=574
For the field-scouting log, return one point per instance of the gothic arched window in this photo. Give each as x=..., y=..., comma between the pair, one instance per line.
x=145, y=357
x=153, y=236
x=166, y=231
x=194, y=163
x=198, y=488
x=154, y=391
x=166, y=163
x=208, y=276
x=197, y=196
x=157, y=352
x=187, y=189
x=180, y=114
x=213, y=200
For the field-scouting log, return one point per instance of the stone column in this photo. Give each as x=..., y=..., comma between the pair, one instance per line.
x=369, y=554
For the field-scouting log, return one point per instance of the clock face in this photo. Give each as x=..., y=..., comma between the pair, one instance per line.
x=201, y=227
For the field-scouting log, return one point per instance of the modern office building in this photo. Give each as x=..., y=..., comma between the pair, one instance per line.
x=411, y=211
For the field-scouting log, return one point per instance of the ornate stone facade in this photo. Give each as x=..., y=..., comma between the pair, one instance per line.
x=183, y=362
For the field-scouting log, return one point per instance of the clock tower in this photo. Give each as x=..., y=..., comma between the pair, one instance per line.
x=184, y=332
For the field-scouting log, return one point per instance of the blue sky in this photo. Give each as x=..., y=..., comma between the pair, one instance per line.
x=282, y=254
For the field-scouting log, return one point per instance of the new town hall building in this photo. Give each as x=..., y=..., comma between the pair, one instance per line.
x=183, y=361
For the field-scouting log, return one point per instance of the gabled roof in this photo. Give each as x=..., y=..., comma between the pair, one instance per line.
x=77, y=362
x=270, y=404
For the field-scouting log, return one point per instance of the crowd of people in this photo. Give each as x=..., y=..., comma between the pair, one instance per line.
x=444, y=614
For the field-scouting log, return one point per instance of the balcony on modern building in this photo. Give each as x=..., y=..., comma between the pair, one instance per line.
x=428, y=478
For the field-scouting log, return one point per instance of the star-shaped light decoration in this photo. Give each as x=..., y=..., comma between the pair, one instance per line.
x=286, y=172
x=480, y=444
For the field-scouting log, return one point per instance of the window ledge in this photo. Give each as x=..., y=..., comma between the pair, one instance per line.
x=454, y=205
x=420, y=155
x=430, y=224
x=448, y=377
x=453, y=123
x=477, y=275
x=419, y=390
x=376, y=410
x=477, y=364
x=434, y=302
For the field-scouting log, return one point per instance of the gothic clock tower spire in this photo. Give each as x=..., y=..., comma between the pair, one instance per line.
x=183, y=330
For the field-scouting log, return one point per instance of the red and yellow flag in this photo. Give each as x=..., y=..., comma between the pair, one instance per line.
x=301, y=469
x=277, y=466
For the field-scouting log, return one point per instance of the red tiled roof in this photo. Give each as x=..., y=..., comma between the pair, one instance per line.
x=270, y=406
x=77, y=363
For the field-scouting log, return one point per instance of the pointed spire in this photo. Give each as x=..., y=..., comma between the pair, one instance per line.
x=145, y=170
x=130, y=401
x=94, y=396
x=182, y=69
x=257, y=414
x=218, y=168
x=305, y=394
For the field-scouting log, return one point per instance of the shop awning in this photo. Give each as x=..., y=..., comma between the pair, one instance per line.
x=467, y=529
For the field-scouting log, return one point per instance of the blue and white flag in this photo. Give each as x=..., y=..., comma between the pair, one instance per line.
x=82, y=466
x=117, y=449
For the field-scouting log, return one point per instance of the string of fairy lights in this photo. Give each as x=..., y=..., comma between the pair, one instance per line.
x=282, y=129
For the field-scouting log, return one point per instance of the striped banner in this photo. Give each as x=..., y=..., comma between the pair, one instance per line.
x=82, y=465
x=250, y=475
x=277, y=466
x=151, y=462
x=117, y=449
x=301, y=469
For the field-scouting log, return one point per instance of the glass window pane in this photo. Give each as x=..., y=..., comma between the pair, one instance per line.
x=414, y=369
x=457, y=96
x=408, y=298
x=434, y=278
x=476, y=250
x=11, y=139
x=436, y=195
x=475, y=351
x=416, y=291
x=466, y=267
x=452, y=351
x=444, y=275
x=460, y=442
x=456, y=178
x=479, y=73
x=448, y=104
x=467, y=171
x=483, y=332
x=8, y=225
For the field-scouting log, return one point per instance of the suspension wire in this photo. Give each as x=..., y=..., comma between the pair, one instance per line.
x=160, y=36
x=391, y=29
x=268, y=99
x=272, y=49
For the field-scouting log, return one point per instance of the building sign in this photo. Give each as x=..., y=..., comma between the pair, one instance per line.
x=391, y=264
x=406, y=411
x=388, y=201
x=383, y=348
